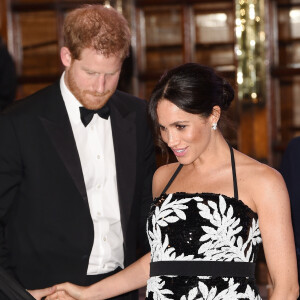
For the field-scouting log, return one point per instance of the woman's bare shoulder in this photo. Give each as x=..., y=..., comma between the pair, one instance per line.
x=162, y=176
x=259, y=177
x=256, y=170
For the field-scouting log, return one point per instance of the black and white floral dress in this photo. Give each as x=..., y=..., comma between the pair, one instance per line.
x=203, y=246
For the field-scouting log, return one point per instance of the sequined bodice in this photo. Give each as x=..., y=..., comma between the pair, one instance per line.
x=202, y=227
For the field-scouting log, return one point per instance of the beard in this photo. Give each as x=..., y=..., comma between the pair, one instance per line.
x=88, y=99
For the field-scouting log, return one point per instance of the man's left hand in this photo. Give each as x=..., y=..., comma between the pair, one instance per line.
x=39, y=294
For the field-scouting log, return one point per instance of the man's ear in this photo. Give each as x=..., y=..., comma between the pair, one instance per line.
x=65, y=56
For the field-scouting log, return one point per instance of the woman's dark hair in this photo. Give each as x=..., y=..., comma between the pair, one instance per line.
x=193, y=88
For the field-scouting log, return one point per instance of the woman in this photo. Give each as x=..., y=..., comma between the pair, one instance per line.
x=211, y=210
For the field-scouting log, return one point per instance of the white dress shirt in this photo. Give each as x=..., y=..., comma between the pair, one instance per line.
x=97, y=157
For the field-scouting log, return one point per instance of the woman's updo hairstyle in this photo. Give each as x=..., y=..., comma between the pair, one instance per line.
x=192, y=87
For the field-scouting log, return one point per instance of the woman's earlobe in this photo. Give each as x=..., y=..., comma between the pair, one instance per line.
x=216, y=113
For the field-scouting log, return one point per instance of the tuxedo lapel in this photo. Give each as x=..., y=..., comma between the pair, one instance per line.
x=124, y=138
x=57, y=125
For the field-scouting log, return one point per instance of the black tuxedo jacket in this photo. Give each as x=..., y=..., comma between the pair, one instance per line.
x=8, y=77
x=46, y=230
x=290, y=170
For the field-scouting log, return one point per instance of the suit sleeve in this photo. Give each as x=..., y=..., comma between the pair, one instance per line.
x=8, y=78
x=10, y=178
x=149, y=169
x=289, y=165
x=290, y=170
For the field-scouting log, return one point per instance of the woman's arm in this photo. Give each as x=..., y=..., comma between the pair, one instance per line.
x=131, y=278
x=273, y=207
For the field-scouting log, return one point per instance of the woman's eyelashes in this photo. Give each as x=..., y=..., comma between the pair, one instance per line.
x=162, y=128
x=180, y=127
x=177, y=126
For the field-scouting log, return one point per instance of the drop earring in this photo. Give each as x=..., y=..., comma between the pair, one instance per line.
x=214, y=126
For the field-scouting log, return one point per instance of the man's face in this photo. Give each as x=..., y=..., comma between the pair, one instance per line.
x=93, y=78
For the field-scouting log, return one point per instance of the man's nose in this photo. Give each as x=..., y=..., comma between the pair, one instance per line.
x=99, y=84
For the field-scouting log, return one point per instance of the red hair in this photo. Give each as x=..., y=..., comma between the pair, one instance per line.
x=98, y=27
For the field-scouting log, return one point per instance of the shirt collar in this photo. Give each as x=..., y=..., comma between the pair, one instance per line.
x=72, y=104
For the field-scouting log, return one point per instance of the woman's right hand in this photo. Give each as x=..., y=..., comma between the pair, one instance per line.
x=68, y=291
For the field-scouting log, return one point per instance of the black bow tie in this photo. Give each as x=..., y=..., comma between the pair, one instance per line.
x=86, y=115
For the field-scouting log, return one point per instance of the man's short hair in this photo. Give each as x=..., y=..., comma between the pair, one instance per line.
x=96, y=26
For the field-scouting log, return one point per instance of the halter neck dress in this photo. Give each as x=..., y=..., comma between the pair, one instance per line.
x=203, y=246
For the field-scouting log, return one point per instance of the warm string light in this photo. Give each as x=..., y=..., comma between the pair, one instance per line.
x=118, y=5
x=249, y=50
x=107, y=4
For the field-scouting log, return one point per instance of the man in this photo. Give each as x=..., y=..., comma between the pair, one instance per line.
x=8, y=77
x=75, y=187
x=290, y=170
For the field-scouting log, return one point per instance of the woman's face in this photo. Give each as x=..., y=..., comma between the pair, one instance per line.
x=188, y=135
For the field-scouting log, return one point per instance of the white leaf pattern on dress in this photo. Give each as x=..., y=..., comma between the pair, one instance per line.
x=192, y=294
x=160, y=248
x=155, y=285
x=222, y=241
x=212, y=293
x=251, y=294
